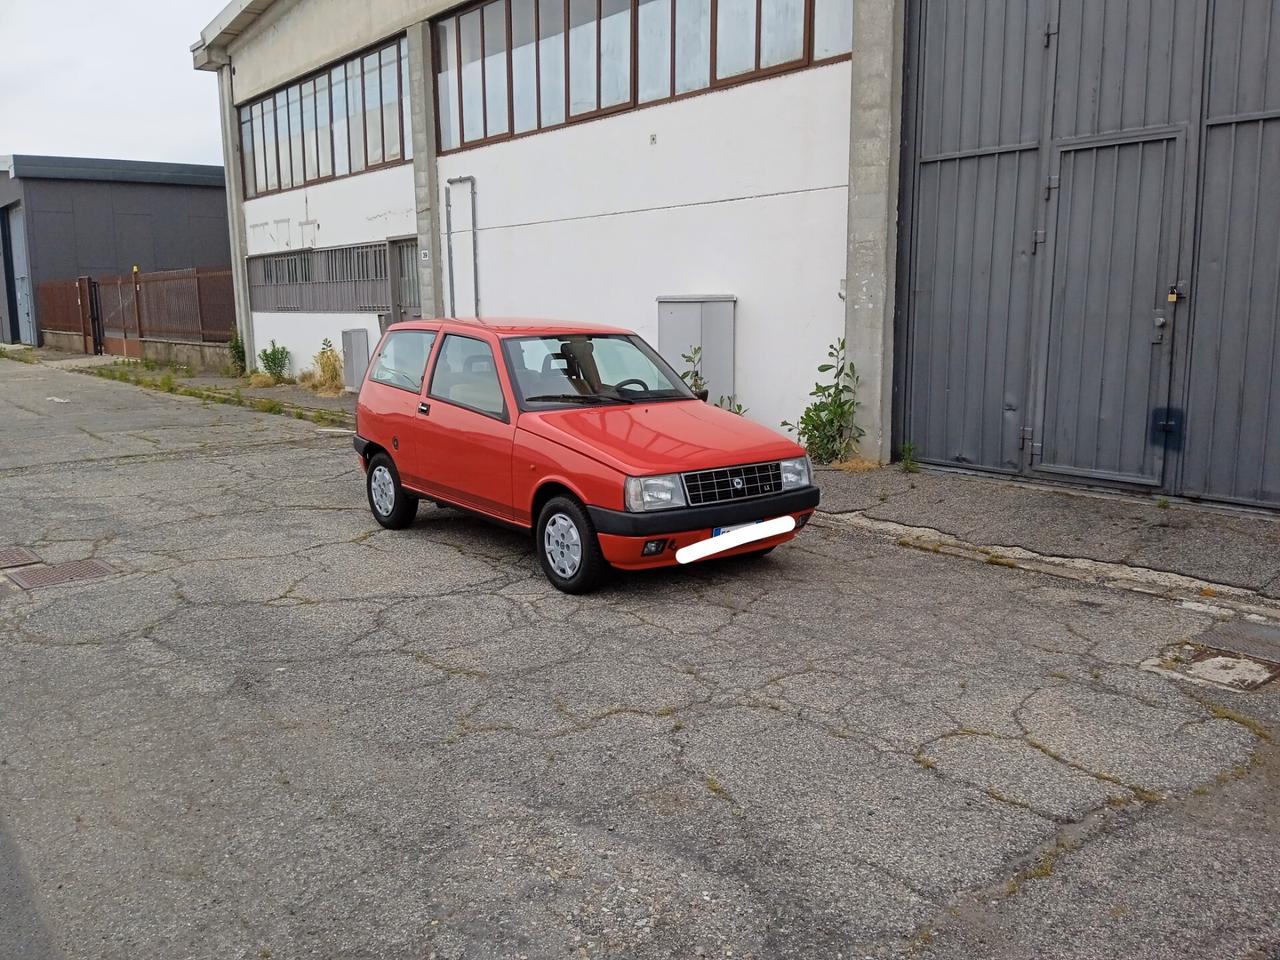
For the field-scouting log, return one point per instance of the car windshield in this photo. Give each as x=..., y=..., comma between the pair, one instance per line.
x=590, y=369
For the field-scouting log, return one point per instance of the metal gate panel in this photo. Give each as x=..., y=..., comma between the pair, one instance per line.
x=1124, y=65
x=1232, y=448
x=1244, y=58
x=1069, y=161
x=976, y=185
x=1114, y=249
x=971, y=332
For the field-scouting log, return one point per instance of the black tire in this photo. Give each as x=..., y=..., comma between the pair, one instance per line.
x=404, y=505
x=591, y=564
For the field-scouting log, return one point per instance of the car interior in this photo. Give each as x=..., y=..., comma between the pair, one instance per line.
x=569, y=370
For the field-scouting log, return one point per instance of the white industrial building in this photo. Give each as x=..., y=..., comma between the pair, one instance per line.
x=680, y=167
x=1048, y=229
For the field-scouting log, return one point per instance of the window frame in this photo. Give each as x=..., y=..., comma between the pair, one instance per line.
x=494, y=352
x=805, y=61
x=303, y=178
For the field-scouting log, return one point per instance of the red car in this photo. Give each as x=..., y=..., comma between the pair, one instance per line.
x=582, y=434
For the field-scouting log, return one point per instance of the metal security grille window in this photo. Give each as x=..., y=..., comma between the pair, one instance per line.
x=343, y=120
x=506, y=68
x=367, y=278
x=339, y=280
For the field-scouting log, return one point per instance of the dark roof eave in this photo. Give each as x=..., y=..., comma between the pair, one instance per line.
x=117, y=171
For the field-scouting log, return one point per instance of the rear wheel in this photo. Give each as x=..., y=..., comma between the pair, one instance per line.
x=567, y=547
x=392, y=505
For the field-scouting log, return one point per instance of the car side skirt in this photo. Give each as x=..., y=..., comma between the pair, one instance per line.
x=469, y=510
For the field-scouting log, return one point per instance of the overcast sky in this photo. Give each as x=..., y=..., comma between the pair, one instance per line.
x=107, y=78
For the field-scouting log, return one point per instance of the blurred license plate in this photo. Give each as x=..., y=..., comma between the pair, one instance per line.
x=716, y=531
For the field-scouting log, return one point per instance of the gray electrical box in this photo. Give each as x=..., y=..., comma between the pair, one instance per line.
x=355, y=358
x=705, y=321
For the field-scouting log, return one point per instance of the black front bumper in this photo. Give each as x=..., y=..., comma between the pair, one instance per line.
x=361, y=444
x=626, y=524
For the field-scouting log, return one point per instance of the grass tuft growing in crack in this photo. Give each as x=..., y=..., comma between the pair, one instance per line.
x=721, y=792
x=1223, y=712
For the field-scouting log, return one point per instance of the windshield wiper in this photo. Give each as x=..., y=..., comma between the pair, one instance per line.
x=574, y=398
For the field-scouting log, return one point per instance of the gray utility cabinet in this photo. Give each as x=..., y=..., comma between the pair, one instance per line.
x=355, y=358
x=700, y=321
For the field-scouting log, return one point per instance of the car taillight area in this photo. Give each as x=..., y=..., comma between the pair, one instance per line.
x=732, y=483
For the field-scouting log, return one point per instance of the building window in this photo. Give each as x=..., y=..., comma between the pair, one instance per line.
x=552, y=92
x=509, y=67
x=342, y=120
x=693, y=45
x=654, y=39
x=832, y=28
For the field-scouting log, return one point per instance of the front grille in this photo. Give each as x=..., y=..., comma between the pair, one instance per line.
x=732, y=483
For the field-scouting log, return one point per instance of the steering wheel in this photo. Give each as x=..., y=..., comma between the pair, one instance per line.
x=634, y=380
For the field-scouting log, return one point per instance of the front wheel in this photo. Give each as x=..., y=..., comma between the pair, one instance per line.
x=567, y=547
x=392, y=505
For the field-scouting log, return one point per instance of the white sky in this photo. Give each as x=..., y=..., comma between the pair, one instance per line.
x=107, y=78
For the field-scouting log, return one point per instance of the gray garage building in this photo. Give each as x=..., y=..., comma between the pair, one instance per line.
x=1089, y=262
x=63, y=218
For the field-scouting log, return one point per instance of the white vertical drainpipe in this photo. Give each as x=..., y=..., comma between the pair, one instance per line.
x=475, y=246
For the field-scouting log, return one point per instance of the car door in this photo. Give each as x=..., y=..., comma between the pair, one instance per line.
x=389, y=399
x=465, y=427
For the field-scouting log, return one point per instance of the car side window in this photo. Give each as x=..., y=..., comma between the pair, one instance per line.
x=466, y=374
x=402, y=361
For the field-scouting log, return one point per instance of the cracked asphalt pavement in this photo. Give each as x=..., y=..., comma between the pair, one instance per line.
x=280, y=731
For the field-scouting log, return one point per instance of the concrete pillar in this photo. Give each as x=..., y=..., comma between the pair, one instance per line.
x=235, y=211
x=875, y=136
x=422, y=106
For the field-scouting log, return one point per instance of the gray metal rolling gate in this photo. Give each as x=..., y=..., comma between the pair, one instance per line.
x=1090, y=275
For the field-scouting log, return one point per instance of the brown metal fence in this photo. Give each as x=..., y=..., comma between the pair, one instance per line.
x=58, y=305
x=195, y=305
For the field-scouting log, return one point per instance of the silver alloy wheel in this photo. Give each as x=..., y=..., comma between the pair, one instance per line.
x=384, y=491
x=563, y=545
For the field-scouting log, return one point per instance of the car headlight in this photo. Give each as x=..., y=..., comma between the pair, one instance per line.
x=654, y=493
x=795, y=473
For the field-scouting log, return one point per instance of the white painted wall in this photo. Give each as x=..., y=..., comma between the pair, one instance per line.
x=366, y=208
x=302, y=333
x=741, y=191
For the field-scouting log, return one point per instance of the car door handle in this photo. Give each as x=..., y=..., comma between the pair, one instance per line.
x=424, y=408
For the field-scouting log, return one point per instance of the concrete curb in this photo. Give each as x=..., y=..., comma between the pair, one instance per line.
x=1206, y=596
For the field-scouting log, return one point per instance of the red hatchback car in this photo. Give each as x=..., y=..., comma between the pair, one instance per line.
x=581, y=433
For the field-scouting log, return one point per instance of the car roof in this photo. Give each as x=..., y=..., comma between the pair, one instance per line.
x=513, y=326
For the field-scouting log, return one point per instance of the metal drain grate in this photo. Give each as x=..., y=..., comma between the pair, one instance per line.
x=1232, y=670
x=16, y=557
x=33, y=577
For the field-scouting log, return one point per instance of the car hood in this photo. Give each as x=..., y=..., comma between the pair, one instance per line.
x=663, y=437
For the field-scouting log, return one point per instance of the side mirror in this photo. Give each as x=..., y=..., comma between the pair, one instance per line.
x=702, y=394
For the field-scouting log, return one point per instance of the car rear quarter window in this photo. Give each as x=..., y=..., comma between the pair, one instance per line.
x=466, y=374
x=402, y=361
